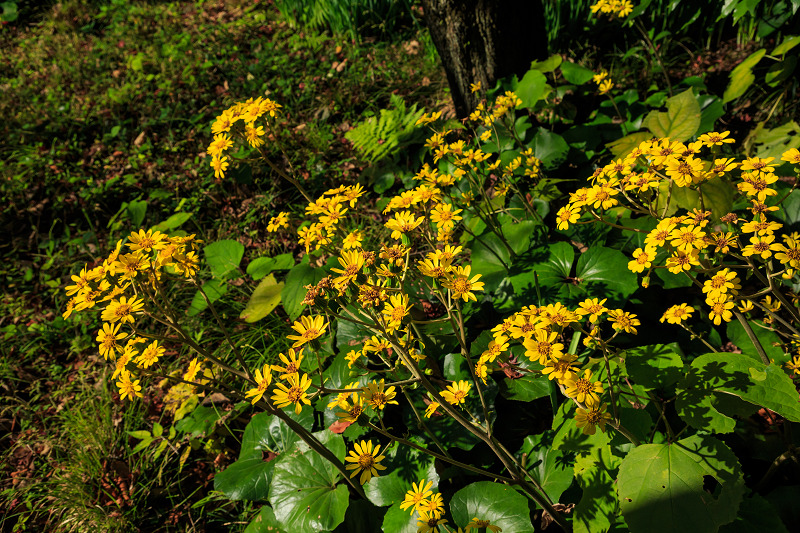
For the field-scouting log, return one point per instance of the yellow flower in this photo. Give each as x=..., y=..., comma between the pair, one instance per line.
x=254, y=135
x=279, y=221
x=460, y=284
x=583, y=389
x=128, y=388
x=309, y=328
x=623, y=321
x=677, y=314
x=642, y=259
x=147, y=240
x=122, y=310
x=353, y=239
x=680, y=261
x=762, y=246
x=416, y=495
x=352, y=262
x=687, y=238
x=791, y=156
x=605, y=86
x=561, y=368
x=403, y=222
x=567, y=215
x=220, y=165
x=429, y=522
x=108, y=337
x=263, y=379
x=377, y=397
x=366, y=460
x=474, y=87
x=592, y=418
x=431, y=409
x=150, y=355
x=456, y=393
x=295, y=393
x=395, y=311
x=486, y=525
x=291, y=363
x=445, y=216
x=713, y=138
x=541, y=347
x=593, y=307
x=194, y=368
x=720, y=309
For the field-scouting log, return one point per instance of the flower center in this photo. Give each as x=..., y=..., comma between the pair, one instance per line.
x=366, y=461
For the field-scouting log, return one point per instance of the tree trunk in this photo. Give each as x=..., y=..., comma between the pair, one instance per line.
x=484, y=41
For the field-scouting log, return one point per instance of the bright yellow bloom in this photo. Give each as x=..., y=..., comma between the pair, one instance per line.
x=416, y=495
x=720, y=309
x=295, y=393
x=291, y=363
x=713, y=138
x=220, y=165
x=194, y=368
x=762, y=246
x=263, y=378
x=445, y=216
x=279, y=221
x=122, y=310
x=561, y=368
x=456, y=393
x=377, y=397
x=108, y=337
x=583, y=389
x=147, y=240
x=791, y=156
x=395, y=310
x=403, y=222
x=485, y=525
x=353, y=239
x=642, y=259
x=309, y=328
x=592, y=418
x=623, y=321
x=722, y=282
x=128, y=388
x=677, y=314
x=460, y=284
x=431, y=409
x=541, y=347
x=150, y=355
x=366, y=460
x=567, y=215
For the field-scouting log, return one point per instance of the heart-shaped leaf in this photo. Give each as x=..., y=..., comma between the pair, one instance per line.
x=681, y=120
x=503, y=506
x=223, y=257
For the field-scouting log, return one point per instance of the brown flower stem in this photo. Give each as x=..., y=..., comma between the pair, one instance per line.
x=752, y=336
x=424, y=426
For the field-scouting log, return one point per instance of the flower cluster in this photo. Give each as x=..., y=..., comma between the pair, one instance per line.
x=248, y=114
x=696, y=243
x=613, y=8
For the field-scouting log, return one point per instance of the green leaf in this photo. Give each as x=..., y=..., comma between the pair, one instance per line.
x=660, y=486
x=525, y=389
x=717, y=193
x=575, y=73
x=223, y=257
x=547, y=65
x=264, y=299
x=136, y=211
x=500, y=504
x=625, y=145
x=265, y=522
x=713, y=110
x=550, y=148
x=597, y=508
x=397, y=520
x=518, y=235
x=768, y=339
x=681, y=120
x=742, y=76
x=739, y=375
x=158, y=429
x=755, y=514
x=265, y=433
x=175, y=221
x=656, y=366
x=781, y=71
x=788, y=43
x=407, y=466
x=489, y=257
x=140, y=434
x=303, y=492
x=547, y=465
x=551, y=273
x=245, y=479
x=214, y=289
x=603, y=272
x=531, y=88
x=569, y=438
x=260, y=267
x=294, y=292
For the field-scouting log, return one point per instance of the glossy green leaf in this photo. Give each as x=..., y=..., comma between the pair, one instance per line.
x=404, y=467
x=781, y=71
x=552, y=271
x=680, y=121
x=397, y=520
x=173, y=222
x=260, y=267
x=717, y=193
x=625, y=145
x=739, y=375
x=788, y=43
x=768, y=339
x=568, y=438
x=294, y=292
x=518, y=235
x=549, y=64
x=265, y=433
x=547, y=465
x=525, y=389
x=742, y=76
x=660, y=486
x=550, y=148
x=531, y=88
x=265, y=522
x=245, y=479
x=597, y=508
x=214, y=290
x=656, y=366
x=304, y=491
x=136, y=211
x=264, y=299
x=603, y=272
x=575, y=73
x=500, y=504
x=223, y=257
x=158, y=429
x=489, y=259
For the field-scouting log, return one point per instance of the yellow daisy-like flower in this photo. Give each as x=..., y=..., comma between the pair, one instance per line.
x=720, y=309
x=122, y=310
x=431, y=409
x=456, y=393
x=395, y=310
x=460, y=284
x=150, y=355
x=220, y=165
x=147, y=240
x=486, y=525
x=642, y=259
x=403, y=222
x=593, y=307
x=281, y=220
x=584, y=390
x=127, y=387
x=605, y=86
x=417, y=494
x=108, y=337
x=309, y=328
x=721, y=283
x=623, y=321
x=567, y=215
x=791, y=156
x=295, y=393
x=377, y=397
x=263, y=378
x=365, y=460
x=194, y=368
x=561, y=368
x=291, y=363
x=445, y=216
x=677, y=314
x=762, y=246
x=713, y=138
x=353, y=239
x=542, y=347
x=351, y=411
x=429, y=522
x=592, y=418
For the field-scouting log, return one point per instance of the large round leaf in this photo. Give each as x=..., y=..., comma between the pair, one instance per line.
x=655, y=366
x=397, y=520
x=294, y=292
x=660, y=486
x=681, y=120
x=265, y=522
x=246, y=479
x=500, y=504
x=223, y=257
x=264, y=299
x=406, y=466
x=304, y=491
x=603, y=273
x=547, y=465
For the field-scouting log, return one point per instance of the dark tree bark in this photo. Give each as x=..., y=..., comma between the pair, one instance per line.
x=484, y=41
